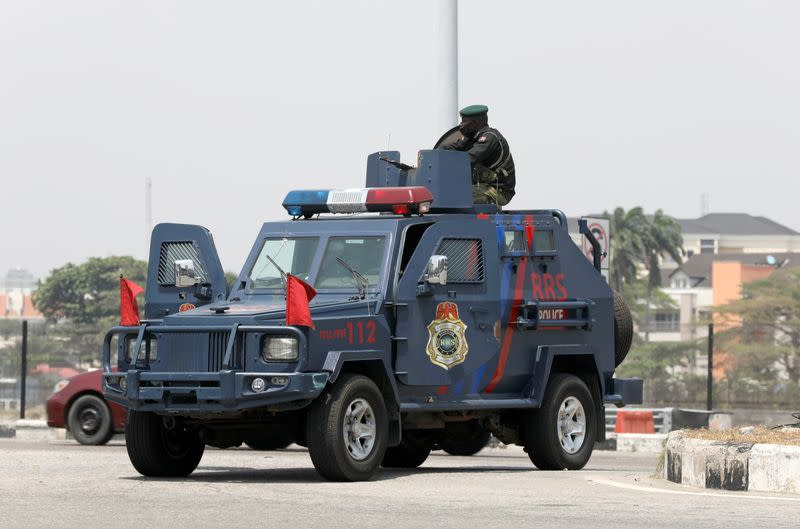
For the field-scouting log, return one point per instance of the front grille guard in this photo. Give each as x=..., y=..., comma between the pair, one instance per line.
x=145, y=330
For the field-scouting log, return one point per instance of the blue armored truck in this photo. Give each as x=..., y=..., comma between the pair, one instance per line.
x=436, y=322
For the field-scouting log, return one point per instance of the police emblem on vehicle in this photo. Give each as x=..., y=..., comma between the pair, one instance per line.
x=447, y=342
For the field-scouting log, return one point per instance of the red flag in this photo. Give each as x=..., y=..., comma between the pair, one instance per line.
x=128, y=309
x=298, y=294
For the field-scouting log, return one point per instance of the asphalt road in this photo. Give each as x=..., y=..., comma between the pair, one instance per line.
x=62, y=484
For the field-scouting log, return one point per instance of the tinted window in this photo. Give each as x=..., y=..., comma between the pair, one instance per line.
x=515, y=241
x=293, y=256
x=543, y=241
x=363, y=254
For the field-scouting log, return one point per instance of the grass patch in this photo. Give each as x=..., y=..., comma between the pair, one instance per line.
x=31, y=412
x=758, y=434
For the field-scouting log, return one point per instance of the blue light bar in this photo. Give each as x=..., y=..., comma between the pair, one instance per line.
x=306, y=202
x=398, y=200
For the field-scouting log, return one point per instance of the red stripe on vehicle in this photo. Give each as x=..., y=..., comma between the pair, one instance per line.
x=510, y=327
x=529, y=229
x=442, y=390
x=483, y=216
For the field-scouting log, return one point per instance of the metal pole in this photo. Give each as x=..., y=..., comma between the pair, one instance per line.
x=23, y=369
x=447, y=65
x=710, y=387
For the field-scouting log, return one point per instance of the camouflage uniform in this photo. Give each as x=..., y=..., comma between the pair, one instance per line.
x=493, y=177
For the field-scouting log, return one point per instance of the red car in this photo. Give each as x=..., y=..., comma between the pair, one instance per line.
x=79, y=406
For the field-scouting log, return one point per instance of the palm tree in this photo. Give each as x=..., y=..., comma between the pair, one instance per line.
x=630, y=239
x=663, y=237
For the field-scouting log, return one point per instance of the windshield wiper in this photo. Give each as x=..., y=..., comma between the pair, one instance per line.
x=283, y=274
x=361, y=282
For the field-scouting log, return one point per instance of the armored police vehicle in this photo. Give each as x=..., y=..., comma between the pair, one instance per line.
x=436, y=321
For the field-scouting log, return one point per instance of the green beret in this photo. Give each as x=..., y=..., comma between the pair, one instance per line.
x=473, y=110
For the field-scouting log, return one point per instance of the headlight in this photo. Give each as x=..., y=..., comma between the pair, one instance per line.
x=279, y=348
x=61, y=385
x=152, y=344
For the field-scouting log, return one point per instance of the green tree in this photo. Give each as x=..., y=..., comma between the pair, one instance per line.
x=655, y=363
x=663, y=238
x=230, y=279
x=87, y=293
x=637, y=293
x=765, y=327
x=629, y=242
x=80, y=302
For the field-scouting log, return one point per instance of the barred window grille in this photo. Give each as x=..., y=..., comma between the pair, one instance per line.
x=171, y=252
x=464, y=260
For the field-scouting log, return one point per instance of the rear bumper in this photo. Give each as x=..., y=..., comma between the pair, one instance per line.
x=223, y=391
x=625, y=391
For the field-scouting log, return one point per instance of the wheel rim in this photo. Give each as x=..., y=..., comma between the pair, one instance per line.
x=571, y=425
x=359, y=429
x=89, y=420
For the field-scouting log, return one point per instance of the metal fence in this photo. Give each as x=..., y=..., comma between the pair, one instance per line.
x=746, y=371
x=54, y=353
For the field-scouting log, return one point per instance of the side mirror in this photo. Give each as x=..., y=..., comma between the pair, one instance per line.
x=184, y=273
x=436, y=272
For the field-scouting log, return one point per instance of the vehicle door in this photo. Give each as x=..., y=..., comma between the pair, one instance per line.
x=183, y=271
x=446, y=334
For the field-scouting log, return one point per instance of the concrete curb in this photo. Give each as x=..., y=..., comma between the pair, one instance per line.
x=34, y=430
x=7, y=429
x=731, y=466
x=650, y=443
x=647, y=443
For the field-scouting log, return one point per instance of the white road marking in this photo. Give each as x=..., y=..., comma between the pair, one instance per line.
x=687, y=492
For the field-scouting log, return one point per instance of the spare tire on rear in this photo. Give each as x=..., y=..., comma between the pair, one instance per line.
x=623, y=329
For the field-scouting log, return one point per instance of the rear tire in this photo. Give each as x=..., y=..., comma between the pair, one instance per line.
x=408, y=454
x=158, y=451
x=347, y=430
x=89, y=420
x=561, y=434
x=623, y=329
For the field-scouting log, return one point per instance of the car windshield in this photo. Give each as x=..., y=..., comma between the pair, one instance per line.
x=292, y=255
x=362, y=254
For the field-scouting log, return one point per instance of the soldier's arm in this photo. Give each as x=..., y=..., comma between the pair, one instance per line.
x=485, y=149
x=461, y=145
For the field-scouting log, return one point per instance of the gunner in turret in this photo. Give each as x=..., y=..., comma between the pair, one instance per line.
x=493, y=177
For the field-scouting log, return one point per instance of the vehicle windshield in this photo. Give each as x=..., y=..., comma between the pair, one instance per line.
x=292, y=255
x=363, y=254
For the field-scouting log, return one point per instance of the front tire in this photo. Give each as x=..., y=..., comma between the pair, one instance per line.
x=158, y=451
x=346, y=430
x=89, y=421
x=561, y=434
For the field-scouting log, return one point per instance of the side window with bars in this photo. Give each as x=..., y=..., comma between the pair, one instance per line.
x=171, y=252
x=464, y=260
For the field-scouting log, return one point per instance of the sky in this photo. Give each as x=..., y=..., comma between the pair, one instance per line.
x=226, y=106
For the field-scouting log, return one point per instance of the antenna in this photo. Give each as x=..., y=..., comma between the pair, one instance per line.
x=148, y=209
x=388, y=142
x=705, y=204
